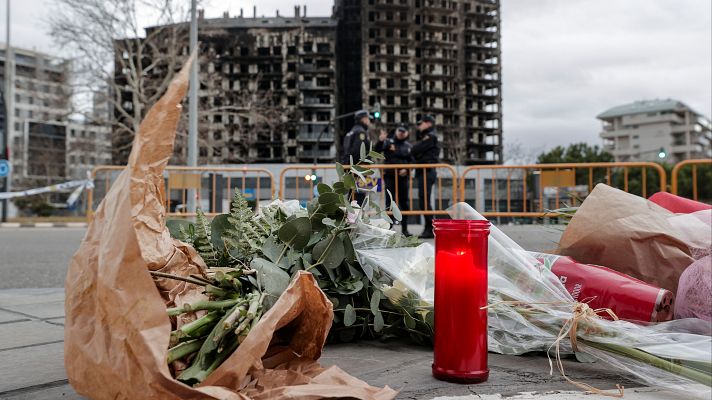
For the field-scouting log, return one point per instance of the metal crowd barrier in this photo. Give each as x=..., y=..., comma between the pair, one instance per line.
x=537, y=190
x=496, y=190
x=299, y=182
x=214, y=187
x=693, y=164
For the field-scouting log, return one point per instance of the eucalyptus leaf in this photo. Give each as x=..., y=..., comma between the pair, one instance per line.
x=340, y=170
x=378, y=322
x=271, y=278
x=349, y=182
x=330, y=251
x=350, y=287
x=296, y=232
x=350, y=253
x=362, y=151
x=394, y=208
x=349, y=315
x=271, y=249
x=323, y=188
x=329, y=198
x=376, y=155
x=375, y=301
x=328, y=222
x=409, y=321
x=316, y=221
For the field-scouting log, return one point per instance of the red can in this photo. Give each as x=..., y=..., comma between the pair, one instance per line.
x=460, y=351
x=601, y=287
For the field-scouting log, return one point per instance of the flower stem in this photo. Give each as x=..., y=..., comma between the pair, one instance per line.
x=184, y=349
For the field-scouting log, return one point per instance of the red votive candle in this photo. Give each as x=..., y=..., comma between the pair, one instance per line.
x=460, y=353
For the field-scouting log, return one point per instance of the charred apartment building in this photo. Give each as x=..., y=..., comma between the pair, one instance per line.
x=267, y=90
x=415, y=57
x=270, y=87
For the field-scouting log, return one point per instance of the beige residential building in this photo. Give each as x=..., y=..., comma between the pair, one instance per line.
x=656, y=130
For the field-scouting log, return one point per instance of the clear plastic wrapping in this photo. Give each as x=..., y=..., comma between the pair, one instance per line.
x=529, y=306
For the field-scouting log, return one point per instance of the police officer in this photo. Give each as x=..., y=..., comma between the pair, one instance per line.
x=397, y=150
x=351, y=147
x=426, y=151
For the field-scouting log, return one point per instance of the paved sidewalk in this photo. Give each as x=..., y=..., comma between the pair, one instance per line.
x=32, y=367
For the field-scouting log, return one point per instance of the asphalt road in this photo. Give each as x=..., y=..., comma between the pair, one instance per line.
x=39, y=257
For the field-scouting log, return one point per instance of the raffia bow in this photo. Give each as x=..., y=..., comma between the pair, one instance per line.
x=581, y=312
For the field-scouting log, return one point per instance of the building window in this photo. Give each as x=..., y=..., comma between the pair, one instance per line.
x=292, y=50
x=373, y=83
x=323, y=47
x=308, y=47
x=373, y=49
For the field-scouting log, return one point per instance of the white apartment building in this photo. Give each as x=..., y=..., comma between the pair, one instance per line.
x=45, y=145
x=656, y=130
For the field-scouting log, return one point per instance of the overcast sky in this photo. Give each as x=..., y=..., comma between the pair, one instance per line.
x=564, y=61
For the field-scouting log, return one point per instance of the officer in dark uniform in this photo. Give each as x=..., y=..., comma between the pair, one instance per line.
x=397, y=150
x=426, y=151
x=351, y=147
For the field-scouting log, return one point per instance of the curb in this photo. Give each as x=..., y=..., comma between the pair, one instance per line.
x=43, y=225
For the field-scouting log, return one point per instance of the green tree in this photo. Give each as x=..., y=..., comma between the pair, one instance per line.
x=575, y=153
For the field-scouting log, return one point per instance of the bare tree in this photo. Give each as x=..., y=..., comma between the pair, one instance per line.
x=515, y=153
x=115, y=55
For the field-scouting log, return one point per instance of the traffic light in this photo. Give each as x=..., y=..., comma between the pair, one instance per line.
x=377, y=111
x=662, y=153
x=311, y=176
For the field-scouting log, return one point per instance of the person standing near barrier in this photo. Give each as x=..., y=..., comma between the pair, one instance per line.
x=351, y=147
x=397, y=150
x=426, y=151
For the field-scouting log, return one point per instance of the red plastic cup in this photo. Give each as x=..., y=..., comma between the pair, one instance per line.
x=460, y=353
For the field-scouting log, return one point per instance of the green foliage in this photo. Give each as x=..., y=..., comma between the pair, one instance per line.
x=575, y=153
x=318, y=240
x=202, y=240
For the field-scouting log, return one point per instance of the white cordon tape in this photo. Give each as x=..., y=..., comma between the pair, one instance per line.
x=80, y=185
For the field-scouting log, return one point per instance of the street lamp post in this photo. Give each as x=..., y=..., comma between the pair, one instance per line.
x=193, y=103
x=9, y=110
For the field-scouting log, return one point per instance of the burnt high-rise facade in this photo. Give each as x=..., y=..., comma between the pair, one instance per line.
x=271, y=87
x=414, y=57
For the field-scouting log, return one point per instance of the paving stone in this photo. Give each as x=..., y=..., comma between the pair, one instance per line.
x=62, y=391
x=6, y=317
x=31, y=366
x=27, y=333
x=14, y=297
x=50, y=309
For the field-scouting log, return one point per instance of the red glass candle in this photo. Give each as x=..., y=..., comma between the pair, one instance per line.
x=460, y=353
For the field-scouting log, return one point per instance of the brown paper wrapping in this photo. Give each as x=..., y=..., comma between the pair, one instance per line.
x=629, y=234
x=116, y=327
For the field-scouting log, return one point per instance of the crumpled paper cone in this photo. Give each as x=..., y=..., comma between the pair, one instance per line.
x=116, y=327
x=629, y=234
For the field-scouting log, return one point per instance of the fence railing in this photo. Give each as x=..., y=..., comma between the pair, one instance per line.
x=213, y=187
x=705, y=178
x=536, y=190
x=295, y=182
x=496, y=190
